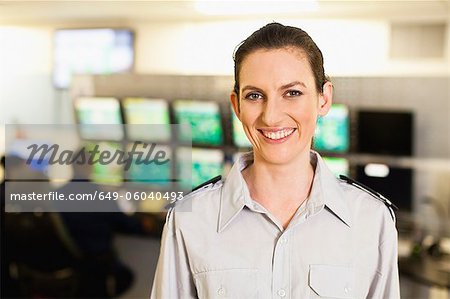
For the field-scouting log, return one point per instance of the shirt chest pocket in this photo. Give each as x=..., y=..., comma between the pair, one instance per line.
x=230, y=283
x=331, y=281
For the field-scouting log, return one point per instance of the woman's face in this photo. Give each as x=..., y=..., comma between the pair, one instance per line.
x=278, y=103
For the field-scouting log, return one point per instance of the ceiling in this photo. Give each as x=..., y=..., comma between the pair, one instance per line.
x=50, y=12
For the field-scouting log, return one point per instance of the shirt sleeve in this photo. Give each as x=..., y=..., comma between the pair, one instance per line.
x=173, y=277
x=386, y=284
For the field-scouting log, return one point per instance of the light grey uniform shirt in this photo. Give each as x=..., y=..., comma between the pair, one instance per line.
x=341, y=243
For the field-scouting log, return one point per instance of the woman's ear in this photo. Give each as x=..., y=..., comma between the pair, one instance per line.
x=234, y=99
x=326, y=98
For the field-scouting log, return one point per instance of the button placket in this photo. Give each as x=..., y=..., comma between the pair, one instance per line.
x=281, y=267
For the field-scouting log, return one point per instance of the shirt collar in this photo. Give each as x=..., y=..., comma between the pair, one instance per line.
x=235, y=194
x=325, y=192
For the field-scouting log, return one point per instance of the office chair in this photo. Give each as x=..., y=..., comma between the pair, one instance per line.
x=41, y=255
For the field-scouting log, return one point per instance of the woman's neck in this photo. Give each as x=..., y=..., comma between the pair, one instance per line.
x=280, y=188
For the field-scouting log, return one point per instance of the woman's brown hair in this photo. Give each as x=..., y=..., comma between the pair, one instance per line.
x=278, y=36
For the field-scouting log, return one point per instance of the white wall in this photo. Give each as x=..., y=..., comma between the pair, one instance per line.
x=350, y=47
x=26, y=93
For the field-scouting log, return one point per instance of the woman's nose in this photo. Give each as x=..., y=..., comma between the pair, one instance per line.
x=272, y=113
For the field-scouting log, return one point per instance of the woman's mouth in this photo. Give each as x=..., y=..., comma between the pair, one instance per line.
x=277, y=135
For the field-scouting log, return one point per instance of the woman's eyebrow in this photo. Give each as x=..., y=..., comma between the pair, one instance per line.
x=289, y=85
x=292, y=84
x=250, y=87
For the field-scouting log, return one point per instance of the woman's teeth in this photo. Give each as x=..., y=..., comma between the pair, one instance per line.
x=278, y=134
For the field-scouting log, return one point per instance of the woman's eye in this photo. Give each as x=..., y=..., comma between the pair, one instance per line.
x=293, y=93
x=253, y=96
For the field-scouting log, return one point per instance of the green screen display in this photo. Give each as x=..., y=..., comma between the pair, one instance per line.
x=150, y=174
x=95, y=114
x=337, y=166
x=147, y=111
x=204, y=119
x=205, y=164
x=98, y=111
x=239, y=137
x=332, y=130
x=110, y=173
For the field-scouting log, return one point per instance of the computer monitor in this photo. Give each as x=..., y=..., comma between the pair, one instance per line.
x=204, y=119
x=205, y=164
x=96, y=115
x=147, y=111
x=392, y=182
x=91, y=51
x=385, y=132
x=337, y=165
x=143, y=172
x=239, y=137
x=105, y=173
x=332, y=130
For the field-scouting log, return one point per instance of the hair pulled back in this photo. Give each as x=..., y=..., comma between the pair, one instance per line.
x=278, y=36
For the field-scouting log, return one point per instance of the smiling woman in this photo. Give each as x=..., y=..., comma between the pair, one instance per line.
x=281, y=224
x=279, y=112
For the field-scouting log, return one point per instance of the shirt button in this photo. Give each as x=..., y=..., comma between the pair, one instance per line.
x=281, y=293
x=347, y=289
x=221, y=291
x=283, y=240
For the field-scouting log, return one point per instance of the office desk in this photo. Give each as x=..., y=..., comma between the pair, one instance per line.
x=141, y=255
x=426, y=270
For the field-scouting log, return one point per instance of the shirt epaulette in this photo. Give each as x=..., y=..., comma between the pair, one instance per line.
x=208, y=183
x=391, y=207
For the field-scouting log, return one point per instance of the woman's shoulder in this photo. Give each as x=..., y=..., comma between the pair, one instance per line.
x=203, y=200
x=367, y=204
x=363, y=190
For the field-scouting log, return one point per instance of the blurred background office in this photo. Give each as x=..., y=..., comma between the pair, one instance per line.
x=163, y=62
